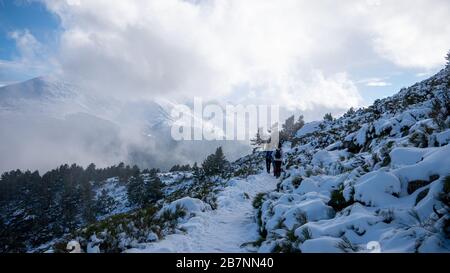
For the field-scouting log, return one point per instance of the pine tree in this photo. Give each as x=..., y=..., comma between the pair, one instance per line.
x=87, y=201
x=104, y=203
x=186, y=168
x=136, y=190
x=258, y=140
x=198, y=173
x=350, y=111
x=91, y=172
x=215, y=164
x=440, y=111
x=299, y=124
x=154, y=187
x=220, y=159
x=288, y=124
x=121, y=172
x=142, y=193
x=328, y=117
x=290, y=127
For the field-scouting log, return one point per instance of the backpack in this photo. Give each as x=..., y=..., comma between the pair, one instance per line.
x=278, y=154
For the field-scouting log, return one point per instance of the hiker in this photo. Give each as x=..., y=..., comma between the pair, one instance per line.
x=277, y=158
x=268, y=160
x=268, y=148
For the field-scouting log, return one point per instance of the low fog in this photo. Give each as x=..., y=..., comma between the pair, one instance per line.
x=42, y=143
x=46, y=123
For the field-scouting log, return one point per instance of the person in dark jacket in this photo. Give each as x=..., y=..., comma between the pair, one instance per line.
x=277, y=159
x=268, y=160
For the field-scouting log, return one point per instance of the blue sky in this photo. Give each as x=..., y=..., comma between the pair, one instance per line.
x=18, y=16
x=33, y=16
x=372, y=57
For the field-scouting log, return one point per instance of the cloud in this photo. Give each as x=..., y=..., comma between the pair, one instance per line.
x=28, y=46
x=411, y=34
x=378, y=84
x=375, y=82
x=33, y=58
x=180, y=49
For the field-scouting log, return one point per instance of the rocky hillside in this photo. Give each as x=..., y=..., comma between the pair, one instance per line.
x=376, y=178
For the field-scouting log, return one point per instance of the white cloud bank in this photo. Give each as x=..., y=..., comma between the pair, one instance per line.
x=302, y=55
x=412, y=33
x=295, y=53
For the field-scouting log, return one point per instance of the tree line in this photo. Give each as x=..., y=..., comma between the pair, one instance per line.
x=35, y=208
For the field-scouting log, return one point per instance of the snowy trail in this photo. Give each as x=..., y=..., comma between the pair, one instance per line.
x=224, y=229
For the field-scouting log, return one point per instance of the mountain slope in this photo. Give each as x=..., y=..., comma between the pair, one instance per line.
x=378, y=176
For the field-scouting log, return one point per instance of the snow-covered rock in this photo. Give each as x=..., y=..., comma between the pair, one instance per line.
x=407, y=156
x=377, y=189
x=308, y=128
x=188, y=204
x=443, y=138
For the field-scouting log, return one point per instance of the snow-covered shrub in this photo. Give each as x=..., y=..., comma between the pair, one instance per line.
x=444, y=198
x=377, y=188
x=171, y=216
x=337, y=200
x=116, y=233
x=347, y=246
x=440, y=111
x=296, y=181
x=388, y=215
x=258, y=200
x=419, y=139
x=180, y=208
x=285, y=246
